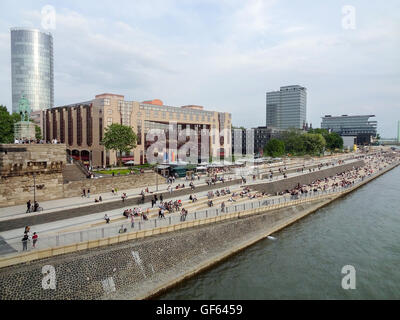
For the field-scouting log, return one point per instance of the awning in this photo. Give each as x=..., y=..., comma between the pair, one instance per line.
x=162, y=166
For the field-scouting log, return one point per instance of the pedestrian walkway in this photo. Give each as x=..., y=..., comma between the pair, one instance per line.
x=46, y=230
x=13, y=212
x=19, y=211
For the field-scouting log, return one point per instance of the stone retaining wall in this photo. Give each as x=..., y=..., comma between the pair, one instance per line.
x=135, y=268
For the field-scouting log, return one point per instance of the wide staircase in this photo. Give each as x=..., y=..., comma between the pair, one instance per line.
x=73, y=172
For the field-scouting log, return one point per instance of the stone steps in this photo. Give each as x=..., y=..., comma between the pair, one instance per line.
x=72, y=172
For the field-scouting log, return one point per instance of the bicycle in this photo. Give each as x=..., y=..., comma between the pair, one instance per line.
x=31, y=209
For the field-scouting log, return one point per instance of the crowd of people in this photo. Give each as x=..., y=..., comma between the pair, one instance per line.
x=373, y=163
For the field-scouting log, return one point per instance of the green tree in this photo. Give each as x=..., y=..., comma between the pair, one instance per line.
x=293, y=142
x=38, y=132
x=7, y=122
x=275, y=148
x=314, y=143
x=119, y=138
x=333, y=139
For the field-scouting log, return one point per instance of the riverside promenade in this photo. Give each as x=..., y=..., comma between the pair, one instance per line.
x=69, y=208
x=90, y=227
x=139, y=264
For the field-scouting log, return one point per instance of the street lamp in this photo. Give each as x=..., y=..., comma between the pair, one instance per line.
x=156, y=175
x=34, y=187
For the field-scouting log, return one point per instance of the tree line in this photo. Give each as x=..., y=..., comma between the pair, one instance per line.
x=296, y=142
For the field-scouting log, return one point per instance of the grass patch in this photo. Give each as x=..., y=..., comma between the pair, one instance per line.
x=116, y=171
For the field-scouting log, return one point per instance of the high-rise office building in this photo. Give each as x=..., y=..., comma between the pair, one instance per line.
x=287, y=108
x=32, y=68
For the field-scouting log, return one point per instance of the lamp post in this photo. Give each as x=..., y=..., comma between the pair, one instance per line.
x=34, y=187
x=156, y=175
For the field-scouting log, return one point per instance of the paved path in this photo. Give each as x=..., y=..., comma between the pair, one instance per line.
x=13, y=212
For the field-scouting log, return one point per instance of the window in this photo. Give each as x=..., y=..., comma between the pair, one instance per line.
x=139, y=132
x=109, y=121
x=89, y=126
x=78, y=126
x=107, y=102
x=100, y=129
x=109, y=111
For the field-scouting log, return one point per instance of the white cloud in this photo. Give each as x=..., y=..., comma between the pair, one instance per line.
x=223, y=55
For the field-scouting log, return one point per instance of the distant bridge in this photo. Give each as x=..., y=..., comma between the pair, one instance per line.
x=386, y=142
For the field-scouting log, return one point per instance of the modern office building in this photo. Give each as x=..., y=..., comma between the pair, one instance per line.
x=81, y=127
x=32, y=68
x=358, y=126
x=287, y=108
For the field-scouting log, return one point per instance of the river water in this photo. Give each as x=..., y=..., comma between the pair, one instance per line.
x=306, y=259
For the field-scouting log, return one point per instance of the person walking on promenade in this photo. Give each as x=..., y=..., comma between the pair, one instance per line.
x=152, y=203
x=113, y=191
x=100, y=199
x=106, y=217
x=25, y=240
x=161, y=198
x=223, y=206
x=83, y=195
x=132, y=221
x=88, y=193
x=116, y=191
x=35, y=206
x=183, y=214
x=28, y=206
x=34, y=239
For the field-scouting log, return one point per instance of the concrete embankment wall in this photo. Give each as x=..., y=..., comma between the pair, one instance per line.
x=143, y=267
x=138, y=268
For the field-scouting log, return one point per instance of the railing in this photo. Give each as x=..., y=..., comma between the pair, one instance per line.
x=114, y=229
x=82, y=167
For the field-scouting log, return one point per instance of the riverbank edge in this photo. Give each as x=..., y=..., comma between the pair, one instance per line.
x=208, y=264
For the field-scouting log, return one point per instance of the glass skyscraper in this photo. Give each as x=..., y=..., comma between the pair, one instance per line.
x=32, y=68
x=287, y=108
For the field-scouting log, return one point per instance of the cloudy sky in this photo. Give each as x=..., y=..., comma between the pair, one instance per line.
x=222, y=54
